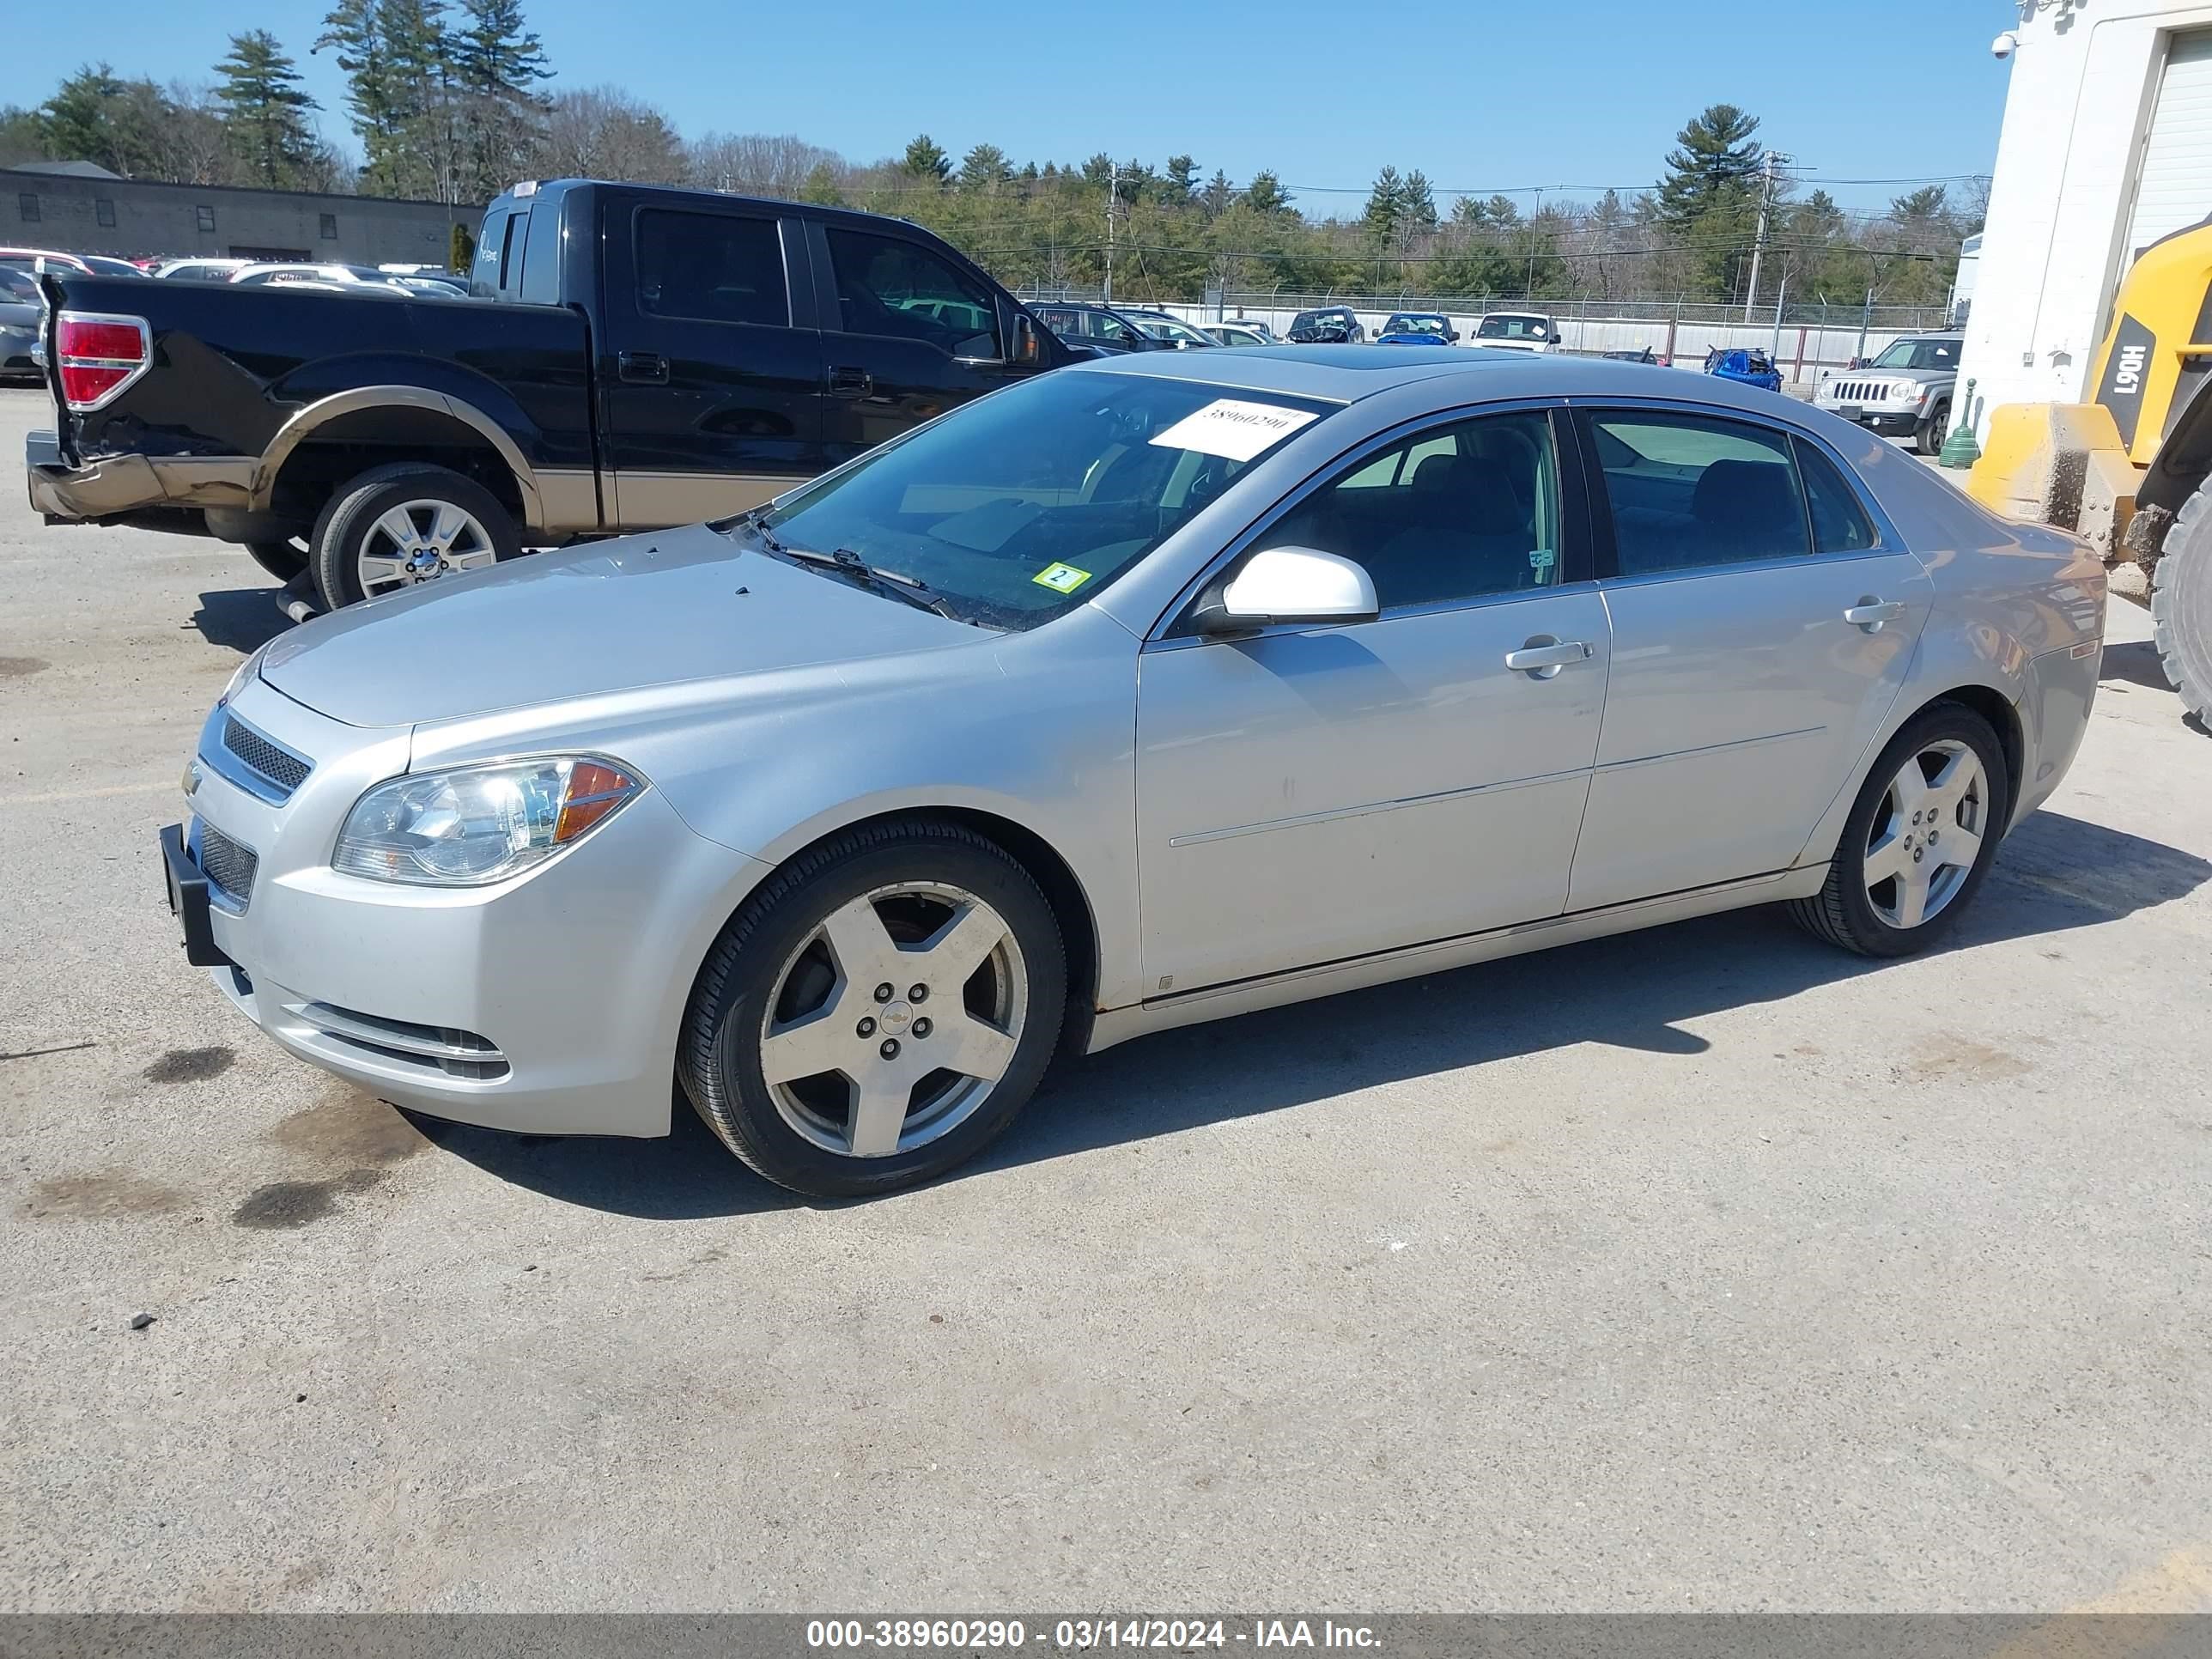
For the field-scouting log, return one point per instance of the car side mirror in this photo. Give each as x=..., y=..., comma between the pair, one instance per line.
x=1291, y=584
x=1026, y=349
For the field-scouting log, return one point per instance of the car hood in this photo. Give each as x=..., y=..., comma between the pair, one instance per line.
x=617, y=615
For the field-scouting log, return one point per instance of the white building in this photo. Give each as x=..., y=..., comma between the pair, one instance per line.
x=2106, y=147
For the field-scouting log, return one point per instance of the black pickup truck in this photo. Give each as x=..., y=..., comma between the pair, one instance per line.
x=629, y=358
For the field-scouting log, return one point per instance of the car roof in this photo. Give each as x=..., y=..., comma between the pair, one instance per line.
x=1347, y=373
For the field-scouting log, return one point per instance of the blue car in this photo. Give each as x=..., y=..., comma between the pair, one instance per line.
x=1418, y=328
x=1752, y=368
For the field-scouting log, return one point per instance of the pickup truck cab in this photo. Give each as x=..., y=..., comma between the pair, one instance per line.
x=633, y=358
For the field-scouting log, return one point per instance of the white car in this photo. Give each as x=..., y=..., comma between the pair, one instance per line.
x=252, y=274
x=201, y=271
x=1242, y=331
x=1517, y=330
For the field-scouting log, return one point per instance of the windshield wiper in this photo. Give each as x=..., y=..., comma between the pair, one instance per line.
x=895, y=584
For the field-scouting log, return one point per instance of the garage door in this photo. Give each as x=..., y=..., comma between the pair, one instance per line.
x=2174, y=190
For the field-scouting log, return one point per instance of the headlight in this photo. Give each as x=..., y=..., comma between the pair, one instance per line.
x=479, y=825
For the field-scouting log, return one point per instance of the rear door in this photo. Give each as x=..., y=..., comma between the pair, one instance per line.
x=711, y=369
x=1762, y=626
x=907, y=334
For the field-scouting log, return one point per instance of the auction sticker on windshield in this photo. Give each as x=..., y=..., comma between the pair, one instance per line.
x=1233, y=429
x=1060, y=578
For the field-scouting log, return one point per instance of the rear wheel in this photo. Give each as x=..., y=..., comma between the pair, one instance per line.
x=398, y=526
x=879, y=1011
x=1919, y=838
x=2181, y=604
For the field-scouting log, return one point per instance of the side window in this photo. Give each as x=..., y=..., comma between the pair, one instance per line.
x=541, y=255
x=1688, y=492
x=491, y=245
x=1840, y=524
x=887, y=286
x=711, y=267
x=1455, y=513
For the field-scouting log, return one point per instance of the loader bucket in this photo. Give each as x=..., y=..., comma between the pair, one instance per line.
x=2058, y=463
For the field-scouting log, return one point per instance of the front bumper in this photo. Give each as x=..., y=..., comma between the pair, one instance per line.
x=1891, y=423
x=549, y=1004
x=114, y=485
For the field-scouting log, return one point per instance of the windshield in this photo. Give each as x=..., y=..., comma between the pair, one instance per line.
x=15, y=285
x=1513, y=328
x=1403, y=325
x=1919, y=354
x=1025, y=504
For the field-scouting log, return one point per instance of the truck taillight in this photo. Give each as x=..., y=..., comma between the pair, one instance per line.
x=98, y=355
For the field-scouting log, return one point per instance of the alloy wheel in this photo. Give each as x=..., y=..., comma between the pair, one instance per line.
x=893, y=1021
x=1927, y=834
x=418, y=542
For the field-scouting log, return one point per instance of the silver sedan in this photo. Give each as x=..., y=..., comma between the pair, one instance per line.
x=1142, y=693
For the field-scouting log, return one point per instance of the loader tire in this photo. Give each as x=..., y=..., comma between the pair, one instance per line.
x=2181, y=604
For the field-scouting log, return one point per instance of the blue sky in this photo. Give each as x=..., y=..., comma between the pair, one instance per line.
x=1576, y=93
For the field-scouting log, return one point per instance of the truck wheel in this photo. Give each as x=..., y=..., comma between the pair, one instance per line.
x=397, y=526
x=282, y=560
x=2181, y=604
x=1929, y=439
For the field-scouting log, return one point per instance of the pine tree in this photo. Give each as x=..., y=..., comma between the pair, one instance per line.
x=1265, y=194
x=1180, y=182
x=984, y=168
x=1417, y=201
x=821, y=186
x=1712, y=169
x=1217, y=195
x=1386, y=203
x=266, y=111
x=495, y=55
x=926, y=159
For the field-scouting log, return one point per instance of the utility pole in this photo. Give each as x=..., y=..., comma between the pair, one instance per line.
x=1766, y=184
x=1113, y=197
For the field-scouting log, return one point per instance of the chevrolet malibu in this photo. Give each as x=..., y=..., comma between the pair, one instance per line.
x=1150, y=691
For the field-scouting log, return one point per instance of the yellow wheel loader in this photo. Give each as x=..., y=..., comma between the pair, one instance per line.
x=2133, y=469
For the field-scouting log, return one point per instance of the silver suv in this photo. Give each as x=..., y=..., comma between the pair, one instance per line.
x=1904, y=392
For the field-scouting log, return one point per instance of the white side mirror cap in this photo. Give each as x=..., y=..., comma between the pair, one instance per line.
x=1295, y=585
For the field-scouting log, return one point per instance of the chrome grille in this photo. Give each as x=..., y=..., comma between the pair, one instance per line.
x=283, y=770
x=227, y=866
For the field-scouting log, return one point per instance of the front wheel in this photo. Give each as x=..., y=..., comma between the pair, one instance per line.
x=879, y=1011
x=397, y=526
x=1929, y=439
x=1919, y=839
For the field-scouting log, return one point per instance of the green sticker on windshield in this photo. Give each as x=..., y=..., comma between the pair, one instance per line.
x=1060, y=578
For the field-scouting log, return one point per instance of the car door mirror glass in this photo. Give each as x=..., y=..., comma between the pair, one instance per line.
x=1280, y=585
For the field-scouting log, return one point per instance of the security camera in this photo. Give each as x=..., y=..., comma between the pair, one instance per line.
x=2004, y=46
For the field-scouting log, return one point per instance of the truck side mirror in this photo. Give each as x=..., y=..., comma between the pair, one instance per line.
x=1026, y=349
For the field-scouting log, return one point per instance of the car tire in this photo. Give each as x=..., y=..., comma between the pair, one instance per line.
x=1860, y=908
x=786, y=1042
x=1928, y=437
x=355, y=552
x=283, y=559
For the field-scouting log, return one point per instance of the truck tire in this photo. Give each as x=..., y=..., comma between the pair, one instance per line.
x=1927, y=438
x=397, y=526
x=282, y=560
x=2181, y=604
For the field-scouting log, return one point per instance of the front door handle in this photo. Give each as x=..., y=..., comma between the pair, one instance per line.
x=849, y=382
x=1543, y=657
x=1870, y=613
x=643, y=368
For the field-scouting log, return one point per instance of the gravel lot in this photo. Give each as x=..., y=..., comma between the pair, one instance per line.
x=1703, y=1269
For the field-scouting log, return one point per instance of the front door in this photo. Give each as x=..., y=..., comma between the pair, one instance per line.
x=908, y=334
x=713, y=391
x=1762, y=629
x=1305, y=795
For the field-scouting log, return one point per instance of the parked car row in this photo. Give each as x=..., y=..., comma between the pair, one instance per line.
x=418, y=279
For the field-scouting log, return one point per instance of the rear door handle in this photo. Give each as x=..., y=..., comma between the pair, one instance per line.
x=1870, y=613
x=1544, y=656
x=849, y=382
x=643, y=368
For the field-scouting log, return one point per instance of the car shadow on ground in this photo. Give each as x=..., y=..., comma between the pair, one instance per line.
x=1636, y=991
x=244, y=619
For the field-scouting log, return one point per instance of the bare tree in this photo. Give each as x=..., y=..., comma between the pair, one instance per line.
x=761, y=164
x=603, y=132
